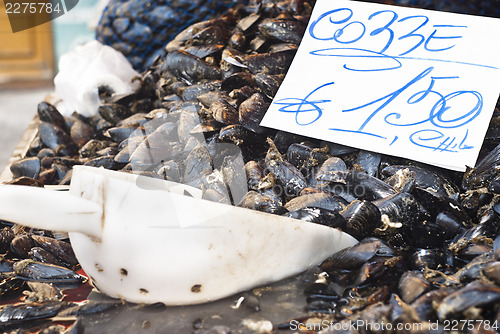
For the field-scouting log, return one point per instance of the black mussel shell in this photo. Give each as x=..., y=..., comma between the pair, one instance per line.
x=362, y=217
x=48, y=113
x=319, y=216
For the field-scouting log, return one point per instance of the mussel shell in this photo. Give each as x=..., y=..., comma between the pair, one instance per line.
x=224, y=113
x=44, y=272
x=251, y=112
x=113, y=112
x=197, y=162
x=403, y=180
x=10, y=288
x=152, y=151
x=241, y=94
x=48, y=176
x=494, y=185
x=289, y=31
x=248, y=21
x=492, y=271
x=106, y=162
x=29, y=167
x=290, y=178
x=81, y=133
x=188, y=120
x=234, y=177
x=35, y=146
x=319, y=216
x=305, y=155
x=355, y=256
x=57, y=139
x=49, y=113
x=190, y=68
x=169, y=170
x=192, y=92
x=402, y=214
x=475, y=294
x=41, y=255
x=21, y=245
x=91, y=148
x=214, y=188
x=431, y=259
x=140, y=118
x=25, y=181
x=424, y=305
x=14, y=314
x=6, y=236
x=369, y=162
x=254, y=174
x=425, y=179
x=412, y=284
x=213, y=34
x=484, y=232
x=45, y=152
x=319, y=199
x=269, y=63
x=257, y=201
x=434, y=203
x=234, y=133
x=120, y=133
x=367, y=187
x=268, y=84
x=362, y=217
x=484, y=171
x=333, y=169
x=238, y=80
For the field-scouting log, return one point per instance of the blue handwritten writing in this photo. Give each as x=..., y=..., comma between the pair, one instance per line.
x=310, y=109
x=441, y=108
x=354, y=31
x=303, y=106
x=383, y=63
x=388, y=98
x=438, y=141
x=380, y=61
x=420, y=110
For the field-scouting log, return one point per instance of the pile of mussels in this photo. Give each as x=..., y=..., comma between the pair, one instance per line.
x=429, y=238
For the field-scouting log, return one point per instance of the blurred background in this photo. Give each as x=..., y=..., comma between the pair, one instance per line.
x=28, y=64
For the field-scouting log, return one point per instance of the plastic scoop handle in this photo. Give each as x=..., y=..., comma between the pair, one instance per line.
x=51, y=210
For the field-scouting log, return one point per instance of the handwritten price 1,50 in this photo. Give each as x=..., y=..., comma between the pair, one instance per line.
x=31, y=8
x=443, y=114
x=389, y=23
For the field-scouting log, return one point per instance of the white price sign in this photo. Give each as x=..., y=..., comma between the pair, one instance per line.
x=407, y=82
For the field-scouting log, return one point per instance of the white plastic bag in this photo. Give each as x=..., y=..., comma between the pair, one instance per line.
x=86, y=68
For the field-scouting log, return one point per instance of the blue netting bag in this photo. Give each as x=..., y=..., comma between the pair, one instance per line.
x=140, y=29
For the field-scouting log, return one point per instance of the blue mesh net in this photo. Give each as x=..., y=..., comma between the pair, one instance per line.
x=140, y=29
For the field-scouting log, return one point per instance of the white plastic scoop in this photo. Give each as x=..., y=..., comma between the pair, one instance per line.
x=147, y=246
